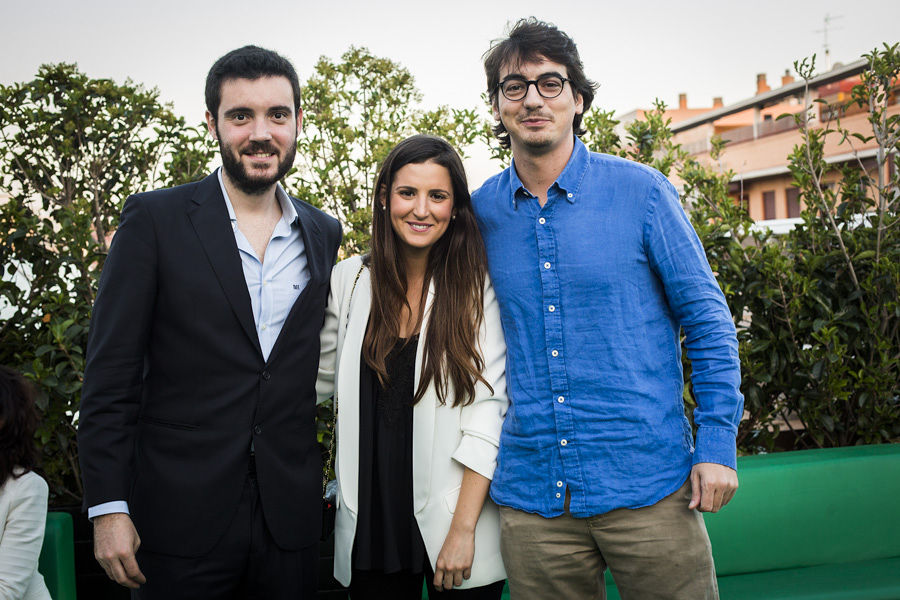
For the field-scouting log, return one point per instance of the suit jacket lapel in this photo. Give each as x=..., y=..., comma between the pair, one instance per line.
x=312, y=247
x=312, y=240
x=209, y=216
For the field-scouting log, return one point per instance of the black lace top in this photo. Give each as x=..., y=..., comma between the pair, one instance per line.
x=387, y=536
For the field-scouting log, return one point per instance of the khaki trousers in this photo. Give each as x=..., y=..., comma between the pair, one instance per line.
x=657, y=552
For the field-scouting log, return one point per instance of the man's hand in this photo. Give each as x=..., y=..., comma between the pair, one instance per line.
x=115, y=542
x=712, y=486
x=454, y=563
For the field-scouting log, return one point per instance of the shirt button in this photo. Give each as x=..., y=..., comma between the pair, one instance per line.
x=546, y=265
x=263, y=327
x=561, y=399
x=551, y=308
x=563, y=442
x=257, y=430
x=570, y=195
x=559, y=484
x=542, y=220
x=555, y=353
x=558, y=495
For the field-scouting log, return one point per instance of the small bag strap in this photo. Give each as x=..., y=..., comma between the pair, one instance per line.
x=334, y=408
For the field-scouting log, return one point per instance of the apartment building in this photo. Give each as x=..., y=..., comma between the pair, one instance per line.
x=759, y=143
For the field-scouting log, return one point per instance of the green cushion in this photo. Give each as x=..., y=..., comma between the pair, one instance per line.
x=57, y=561
x=809, y=525
x=798, y=517
x=866, y=580
x=813, y=507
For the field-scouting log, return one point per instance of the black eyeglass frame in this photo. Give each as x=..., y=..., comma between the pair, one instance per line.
x=529, y=82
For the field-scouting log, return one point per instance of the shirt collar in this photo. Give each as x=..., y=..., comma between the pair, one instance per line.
x=289, y=214
x=569, y=181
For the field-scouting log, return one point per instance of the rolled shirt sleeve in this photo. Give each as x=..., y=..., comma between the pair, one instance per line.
x=482, y=420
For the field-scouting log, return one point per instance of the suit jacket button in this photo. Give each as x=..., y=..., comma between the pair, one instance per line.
x=257, y=430
x=266, y=375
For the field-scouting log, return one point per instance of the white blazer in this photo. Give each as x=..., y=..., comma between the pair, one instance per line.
x=445, y=439
x=23, y=515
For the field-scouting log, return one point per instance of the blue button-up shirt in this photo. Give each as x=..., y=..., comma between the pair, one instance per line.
x=276, y=283
x=594, y=289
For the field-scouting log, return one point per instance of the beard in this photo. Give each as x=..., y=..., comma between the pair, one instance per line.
x=249, y=182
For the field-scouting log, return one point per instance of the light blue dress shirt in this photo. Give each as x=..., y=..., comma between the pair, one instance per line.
x=276, y=282
x=594, y=290
x=274, y=285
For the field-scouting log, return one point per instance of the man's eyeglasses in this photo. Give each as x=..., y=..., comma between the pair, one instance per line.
x=548, y=86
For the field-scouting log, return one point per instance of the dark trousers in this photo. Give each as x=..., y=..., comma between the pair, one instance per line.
x=246, y=563
x=375, y=585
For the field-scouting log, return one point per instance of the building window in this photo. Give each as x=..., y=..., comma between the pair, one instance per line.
x=793, y=203
x=768, y=205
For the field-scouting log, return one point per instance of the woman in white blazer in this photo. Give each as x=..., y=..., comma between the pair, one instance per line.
x=23, y=493
x=413, y=354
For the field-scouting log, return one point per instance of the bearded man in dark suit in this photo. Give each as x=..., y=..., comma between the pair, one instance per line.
x=197, y=430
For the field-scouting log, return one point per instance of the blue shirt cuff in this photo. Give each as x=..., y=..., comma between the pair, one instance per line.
x=716, y=445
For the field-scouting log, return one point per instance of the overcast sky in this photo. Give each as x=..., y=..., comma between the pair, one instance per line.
x=636, y=50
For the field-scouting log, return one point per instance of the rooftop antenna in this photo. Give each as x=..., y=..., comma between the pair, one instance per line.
x=828, y=27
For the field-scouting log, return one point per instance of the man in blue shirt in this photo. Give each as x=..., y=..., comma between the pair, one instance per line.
x=597, y=270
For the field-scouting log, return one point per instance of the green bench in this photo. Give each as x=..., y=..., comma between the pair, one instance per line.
x=811, y=524
x=57, y=561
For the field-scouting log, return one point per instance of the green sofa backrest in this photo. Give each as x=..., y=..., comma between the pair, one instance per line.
x=810, y=507
x=57, y=561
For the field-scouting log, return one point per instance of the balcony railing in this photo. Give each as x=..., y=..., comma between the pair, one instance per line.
x=769, y=127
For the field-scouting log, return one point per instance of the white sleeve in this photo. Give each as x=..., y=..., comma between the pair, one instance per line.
x=328, y=340
x=343, y=276
x=482, y=420
x=22, y=535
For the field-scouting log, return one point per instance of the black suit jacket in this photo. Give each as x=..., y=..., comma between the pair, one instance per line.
x=176, y=387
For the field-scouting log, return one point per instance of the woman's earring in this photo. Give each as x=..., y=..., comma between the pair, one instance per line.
x=453, y=217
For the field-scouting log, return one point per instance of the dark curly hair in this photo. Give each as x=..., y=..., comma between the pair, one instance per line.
x=18, y=422
x=531, y=40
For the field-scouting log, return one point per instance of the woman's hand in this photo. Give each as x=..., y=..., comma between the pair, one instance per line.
x=454, y=563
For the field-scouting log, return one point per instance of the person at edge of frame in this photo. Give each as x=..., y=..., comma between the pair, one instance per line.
x=23, y=493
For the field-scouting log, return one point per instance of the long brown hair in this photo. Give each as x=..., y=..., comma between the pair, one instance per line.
x=457, y=265
x=18, y=422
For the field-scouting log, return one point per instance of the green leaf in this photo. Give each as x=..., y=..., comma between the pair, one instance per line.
x=818, y=368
